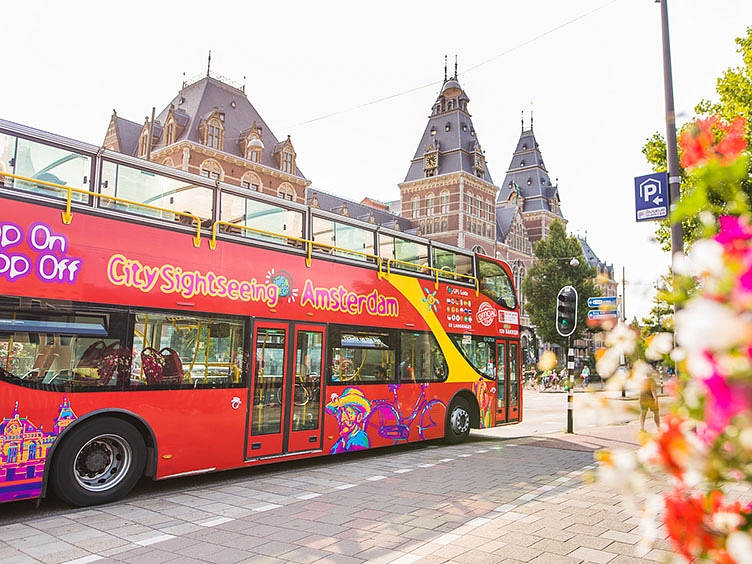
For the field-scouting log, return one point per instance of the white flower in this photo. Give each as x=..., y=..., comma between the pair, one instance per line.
x=739, y=547
x=709, y=325
x=705, y=258
x=608, y=363
x=659, y=345
x=622, y=338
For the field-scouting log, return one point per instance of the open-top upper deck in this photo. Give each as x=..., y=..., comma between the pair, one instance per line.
x=82, y=178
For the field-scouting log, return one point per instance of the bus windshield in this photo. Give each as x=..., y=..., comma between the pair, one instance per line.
x=495, y=283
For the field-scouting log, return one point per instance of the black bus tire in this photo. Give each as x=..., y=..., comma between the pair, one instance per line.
x=458, y=422
x=99, y=461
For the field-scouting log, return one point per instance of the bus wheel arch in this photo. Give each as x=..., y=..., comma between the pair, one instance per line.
x=462, y=415
x=100, y=459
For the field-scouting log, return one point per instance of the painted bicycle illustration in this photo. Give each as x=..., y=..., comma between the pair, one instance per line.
x=387, y=421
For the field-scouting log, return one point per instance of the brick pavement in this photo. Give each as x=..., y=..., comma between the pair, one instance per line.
x=502, y=497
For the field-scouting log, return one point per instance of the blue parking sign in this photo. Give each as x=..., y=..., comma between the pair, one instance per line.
x=651, y=196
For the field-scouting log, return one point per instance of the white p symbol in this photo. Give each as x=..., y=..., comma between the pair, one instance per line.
x=648, y=190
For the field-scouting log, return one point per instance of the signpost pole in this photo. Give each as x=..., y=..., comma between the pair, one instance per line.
x=570, y=391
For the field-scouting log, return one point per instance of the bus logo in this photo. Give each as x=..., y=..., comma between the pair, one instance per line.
x=486, y=314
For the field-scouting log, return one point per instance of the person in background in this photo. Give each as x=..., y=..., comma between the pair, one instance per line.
x=585, y=376
x=649, y=401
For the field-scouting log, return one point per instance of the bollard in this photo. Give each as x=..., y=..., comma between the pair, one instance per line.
x=570, y=411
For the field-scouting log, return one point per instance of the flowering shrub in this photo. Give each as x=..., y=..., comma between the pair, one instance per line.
x=704, y=446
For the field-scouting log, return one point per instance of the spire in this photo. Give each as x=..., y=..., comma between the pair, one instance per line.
x=531, y=120
x=445, y=68
x=522, y=121
x=455, y=66
x=208, y=64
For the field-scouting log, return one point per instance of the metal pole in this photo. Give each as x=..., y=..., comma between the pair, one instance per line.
x=672, y=156
x=570, y=388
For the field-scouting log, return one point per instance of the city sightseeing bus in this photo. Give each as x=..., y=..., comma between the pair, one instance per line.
x=162, y=324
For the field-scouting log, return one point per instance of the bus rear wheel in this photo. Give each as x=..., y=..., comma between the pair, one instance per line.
x=458, y=422
x=99, y=461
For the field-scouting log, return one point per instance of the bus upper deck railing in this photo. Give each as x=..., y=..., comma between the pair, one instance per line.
x=60, y=168
x=67, y=214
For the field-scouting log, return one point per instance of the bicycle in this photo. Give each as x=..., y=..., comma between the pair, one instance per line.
x=306, y=388
x=387, y=421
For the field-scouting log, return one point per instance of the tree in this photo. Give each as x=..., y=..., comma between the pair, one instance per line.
x=551, y=272
x=734, y=89
x=661, y=316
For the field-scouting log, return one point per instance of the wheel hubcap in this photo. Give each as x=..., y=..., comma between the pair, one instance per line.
x=102, y=463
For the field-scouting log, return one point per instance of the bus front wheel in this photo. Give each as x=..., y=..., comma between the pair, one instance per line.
x=99, y=461
x=458, y=422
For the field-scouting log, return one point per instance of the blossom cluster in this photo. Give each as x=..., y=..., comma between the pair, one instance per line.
x=704, y=446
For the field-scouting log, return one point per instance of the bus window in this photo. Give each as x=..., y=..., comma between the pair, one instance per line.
x=75, y=351
x=328, y=234
x=269, y=220
x=422, y=359
x=405, y=254
x=451, y=262
x=174, y=349
x=479, y=351
x=45, y=163
x=495, y=283
x=360, y=356
x=145, y=187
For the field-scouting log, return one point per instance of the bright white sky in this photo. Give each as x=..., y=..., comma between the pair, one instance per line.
x=353, y=84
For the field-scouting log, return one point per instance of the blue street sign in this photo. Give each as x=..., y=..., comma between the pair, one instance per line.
x=602, y=301
x=651, y=196
x=601, y=314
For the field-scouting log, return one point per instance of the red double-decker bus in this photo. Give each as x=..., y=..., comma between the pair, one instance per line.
x=157, y=323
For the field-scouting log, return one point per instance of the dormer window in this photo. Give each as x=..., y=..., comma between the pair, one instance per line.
x=213, y=136
x=284, y=154
x=143, y=143
x=213, y=130
x=170, y=132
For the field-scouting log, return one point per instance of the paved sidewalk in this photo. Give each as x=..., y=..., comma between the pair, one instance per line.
x=503, y=497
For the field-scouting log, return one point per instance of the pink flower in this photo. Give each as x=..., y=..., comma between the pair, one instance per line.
x=733, y=230
x=724, y=402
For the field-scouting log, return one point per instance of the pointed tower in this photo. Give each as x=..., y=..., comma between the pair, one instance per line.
x=448, y=192
x=528, y=187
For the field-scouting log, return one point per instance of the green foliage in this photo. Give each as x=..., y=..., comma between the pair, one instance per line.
x=549, y=274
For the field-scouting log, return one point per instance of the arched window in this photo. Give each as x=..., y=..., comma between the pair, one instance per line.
x=170, y=132
x=429, y=203
x=415, y=205
x=212, y=169
x=286, y=191
x=444, y=201
x=214, y=134
x=143, y=143
x=287, y=162
x=251, y=181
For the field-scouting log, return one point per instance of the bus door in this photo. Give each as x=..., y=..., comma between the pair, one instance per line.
x=285, y=407
x=507, y=381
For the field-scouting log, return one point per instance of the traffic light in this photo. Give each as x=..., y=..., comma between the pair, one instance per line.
x=566, y=311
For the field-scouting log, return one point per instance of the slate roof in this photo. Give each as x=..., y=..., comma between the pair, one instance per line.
x=193, y=104
x=457, y=145
x=593, y=260
x=504, y=218
x=336, y=204
x=128, y=133
x=528, y=171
